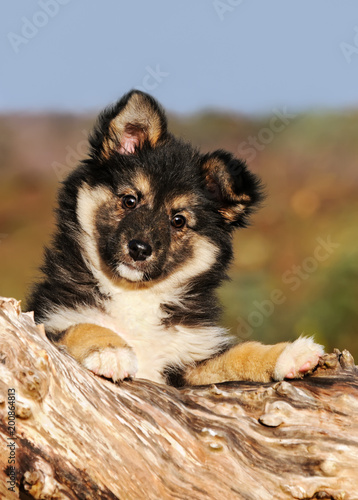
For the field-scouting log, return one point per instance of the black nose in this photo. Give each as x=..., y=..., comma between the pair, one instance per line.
x=139, y=250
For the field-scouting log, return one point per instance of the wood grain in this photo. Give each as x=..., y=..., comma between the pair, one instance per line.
x=79, y=436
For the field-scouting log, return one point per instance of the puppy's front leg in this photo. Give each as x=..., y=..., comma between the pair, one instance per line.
x=100, y=350
x=257, y=362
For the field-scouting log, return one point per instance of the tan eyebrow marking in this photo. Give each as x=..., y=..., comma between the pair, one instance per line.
x=182, y=202
x=142, y=184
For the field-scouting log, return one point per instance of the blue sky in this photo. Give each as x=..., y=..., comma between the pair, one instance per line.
x=249, y=56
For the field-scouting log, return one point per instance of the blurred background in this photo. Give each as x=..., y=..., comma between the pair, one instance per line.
x=273, y=82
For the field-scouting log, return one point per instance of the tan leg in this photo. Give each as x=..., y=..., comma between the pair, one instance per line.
x=248, y=361
x=100, y=350
x=257, y=362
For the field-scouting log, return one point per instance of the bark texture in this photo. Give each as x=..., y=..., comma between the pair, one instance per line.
x=79, y=436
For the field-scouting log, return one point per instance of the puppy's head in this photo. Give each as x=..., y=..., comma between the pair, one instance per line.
x=151, y=206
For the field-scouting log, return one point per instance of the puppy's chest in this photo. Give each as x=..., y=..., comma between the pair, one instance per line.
x=135, y=313
x=136, y=317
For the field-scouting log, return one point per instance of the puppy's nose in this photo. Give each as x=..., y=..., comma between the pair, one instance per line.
x=139, y=250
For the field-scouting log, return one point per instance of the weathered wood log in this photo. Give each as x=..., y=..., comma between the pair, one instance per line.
x=79, y=436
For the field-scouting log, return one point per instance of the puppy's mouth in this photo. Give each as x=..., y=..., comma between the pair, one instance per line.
x=131, y=272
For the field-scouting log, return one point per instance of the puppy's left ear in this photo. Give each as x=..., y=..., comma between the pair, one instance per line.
x=134, y=121
x=235, y=190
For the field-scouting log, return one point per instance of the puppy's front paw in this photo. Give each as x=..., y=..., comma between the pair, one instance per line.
x=298, y=358
x=116, y=363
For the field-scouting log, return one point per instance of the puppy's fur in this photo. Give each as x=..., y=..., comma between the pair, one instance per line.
x=143, y=240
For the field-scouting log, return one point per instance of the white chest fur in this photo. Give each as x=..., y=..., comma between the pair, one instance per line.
x=136, y=316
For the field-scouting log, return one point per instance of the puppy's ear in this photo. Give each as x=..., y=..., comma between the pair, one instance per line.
x=230, y=184
x=137, y=119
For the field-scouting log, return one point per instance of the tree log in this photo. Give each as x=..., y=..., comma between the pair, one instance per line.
x=79, y=436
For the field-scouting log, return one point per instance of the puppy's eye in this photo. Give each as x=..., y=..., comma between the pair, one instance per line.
x=178, y=221
x=129, y=201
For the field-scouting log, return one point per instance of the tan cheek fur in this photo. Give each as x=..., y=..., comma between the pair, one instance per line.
x=86, y=338
x=248, y=361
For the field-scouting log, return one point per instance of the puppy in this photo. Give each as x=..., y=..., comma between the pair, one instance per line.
x=143, y=240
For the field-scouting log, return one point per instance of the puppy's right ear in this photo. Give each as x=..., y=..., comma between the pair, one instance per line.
x=135, y=120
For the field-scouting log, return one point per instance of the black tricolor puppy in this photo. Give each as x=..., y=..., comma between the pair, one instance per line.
x=143, y=240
